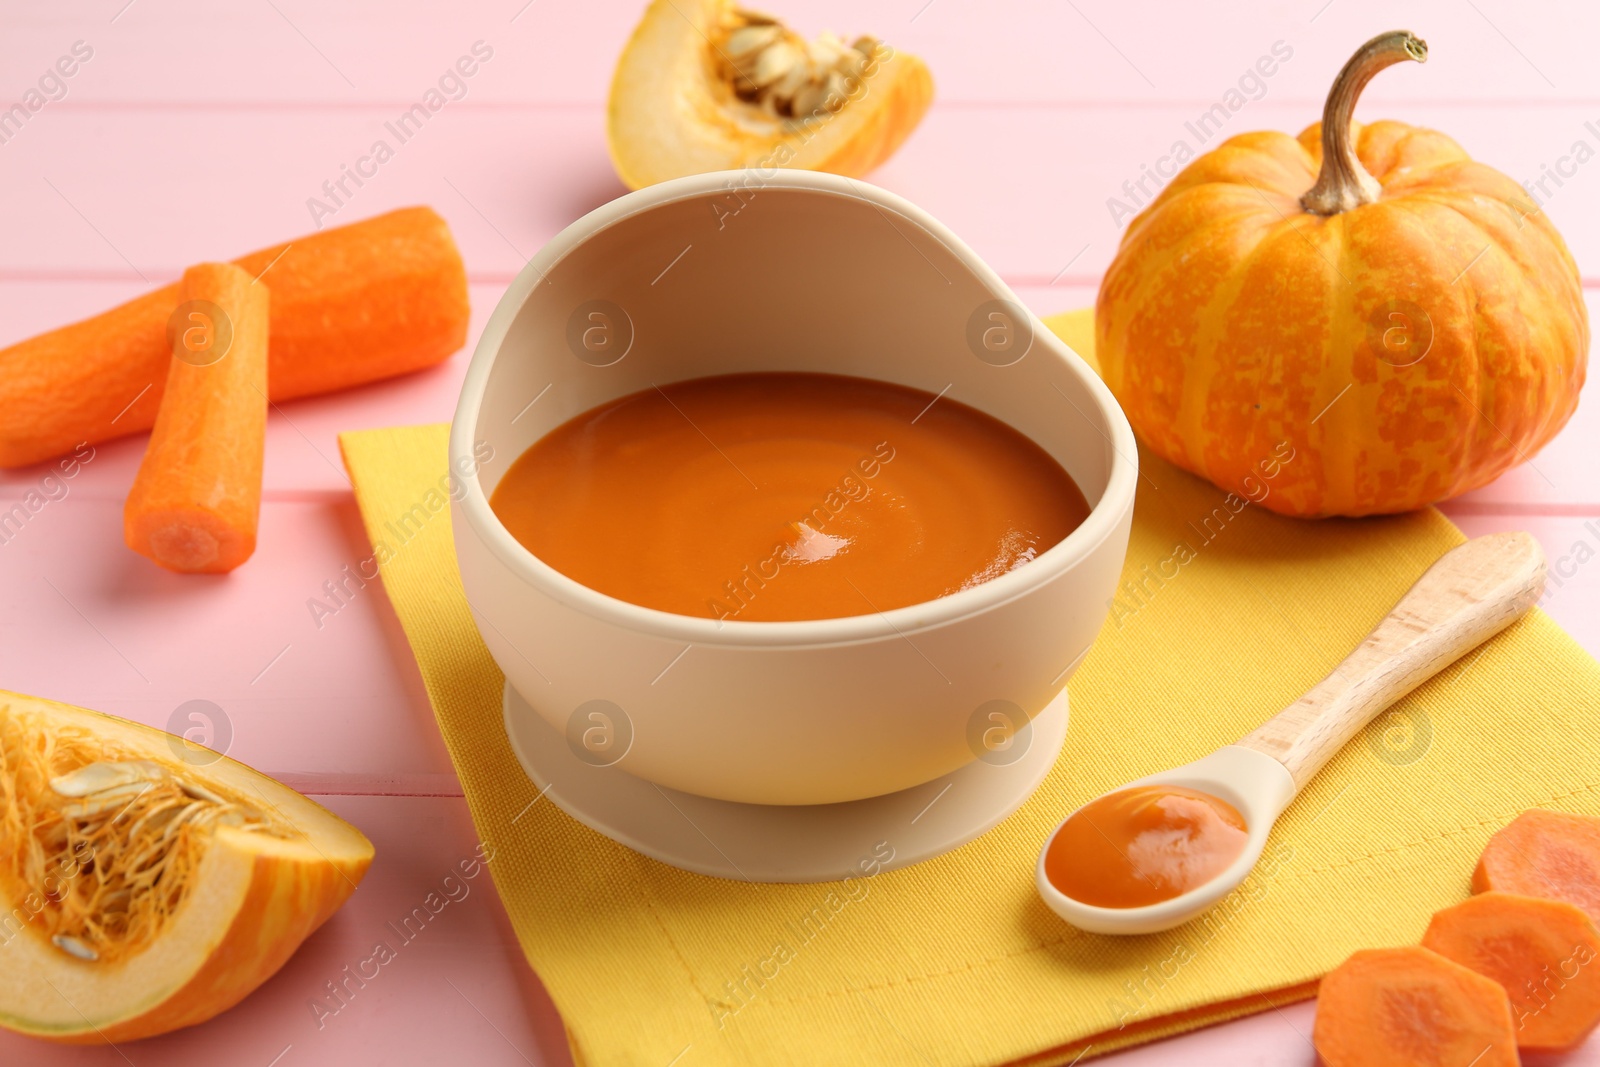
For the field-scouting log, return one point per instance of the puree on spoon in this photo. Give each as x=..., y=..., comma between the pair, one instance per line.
x=1144, y=845
x=784, y=496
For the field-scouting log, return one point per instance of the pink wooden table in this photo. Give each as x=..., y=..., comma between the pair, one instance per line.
x=196, y=131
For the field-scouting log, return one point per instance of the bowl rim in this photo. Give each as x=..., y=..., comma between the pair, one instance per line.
x=472, y=503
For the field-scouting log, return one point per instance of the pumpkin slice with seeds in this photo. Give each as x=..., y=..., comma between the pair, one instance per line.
x=147, y=883
x=704, y=85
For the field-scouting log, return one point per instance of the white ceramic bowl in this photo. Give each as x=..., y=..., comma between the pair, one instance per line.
x=782, y=270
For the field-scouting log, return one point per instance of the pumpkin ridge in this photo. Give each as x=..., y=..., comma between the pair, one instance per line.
x=1188, y=178
x=1423, y=177
x=1492, y=460
x=1158, y=275
x=1155, y=275
x=1466, y=306
x=1214, y=318
x=1243, y=215
x=1496, y=461
x=1527, y=260
x=1148, y=217
x=1367, y=151
x=1410, y=144
x=1553, y=246
x=1551, y=237
x=1435, y=188
x=1338, y=416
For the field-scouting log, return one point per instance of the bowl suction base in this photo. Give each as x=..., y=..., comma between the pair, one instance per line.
x=777, y=843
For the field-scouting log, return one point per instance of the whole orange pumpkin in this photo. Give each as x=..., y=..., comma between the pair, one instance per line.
x=1397, y=319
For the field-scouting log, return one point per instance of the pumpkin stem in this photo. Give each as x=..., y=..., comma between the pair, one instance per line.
x=1344, y=183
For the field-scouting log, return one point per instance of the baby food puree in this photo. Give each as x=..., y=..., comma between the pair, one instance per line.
x=783, y=496
x=1143, y=845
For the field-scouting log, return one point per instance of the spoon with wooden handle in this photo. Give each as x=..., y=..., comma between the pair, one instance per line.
x=1470, y=594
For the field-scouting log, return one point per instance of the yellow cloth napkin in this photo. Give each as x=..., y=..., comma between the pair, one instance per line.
x=956, y=961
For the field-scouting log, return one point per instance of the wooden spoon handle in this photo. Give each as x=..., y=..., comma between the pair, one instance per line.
x=1472, y=593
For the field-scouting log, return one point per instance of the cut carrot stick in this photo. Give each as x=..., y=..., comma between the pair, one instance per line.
x=1547, y=854
x=350, y=305
x=1544, y=953
x=1408, y=1007
x=197, y=496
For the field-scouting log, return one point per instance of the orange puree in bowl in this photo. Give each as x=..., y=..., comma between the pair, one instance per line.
x=1144, y=845
x=761, y=497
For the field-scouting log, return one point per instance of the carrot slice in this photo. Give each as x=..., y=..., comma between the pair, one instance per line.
x=1543, y=952
x=1409, y=1007
x=1547, y=854
x=197, y=496
x=371, y=300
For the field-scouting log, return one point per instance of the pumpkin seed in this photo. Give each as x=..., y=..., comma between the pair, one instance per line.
x=746, y=41
x=809, y=98
x=775, y=69
x=96, y=804
x=776, y=62
x=162, y=809
x=101, y=776
x=827, y=50
x=73, y=947
x=200, y=792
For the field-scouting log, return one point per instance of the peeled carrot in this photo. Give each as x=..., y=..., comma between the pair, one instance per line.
x=371, y=300
x=1542, y=952
x=1408, y=1007
x=1547, y=854
x=197, y=496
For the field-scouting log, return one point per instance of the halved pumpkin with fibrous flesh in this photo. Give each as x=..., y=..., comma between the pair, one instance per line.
x=704, y=85
x=147, y=883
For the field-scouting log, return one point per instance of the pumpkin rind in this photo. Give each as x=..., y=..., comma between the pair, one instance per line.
x=1233, y=320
